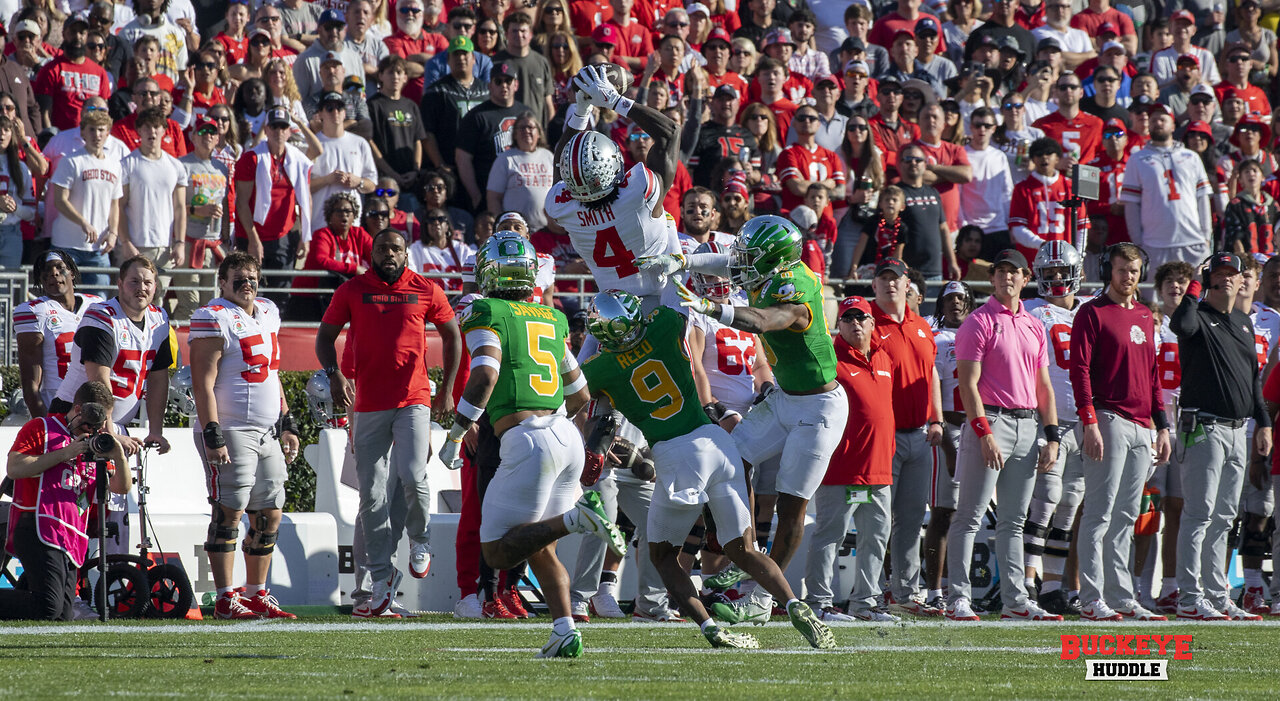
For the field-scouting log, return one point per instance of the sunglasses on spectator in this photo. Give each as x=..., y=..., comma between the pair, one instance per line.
x=260, y=41
x=1013, y=105
x=1113, y=134
x=1238, y=59
x=239, y=2
x=95, y=46
x=149, y=93
x=486, y=30
x=438, y=220
x=983, y=125
x=205, y=65
x=435, y=186
x=673, y=25
x=858, y=127
x=207, y=131
x=385, y=192
x=853, y=317
x=911, y=159
x=409, y=10
x=912, y=94
x=560, y=46
x=639, y=135
x=463, y=26
x=86, y=108
x=268, y=20
x=220, y=117
x=1201, y=100
x=555, y=8
x=1068, y=86
x=377, y=214
x=739, y=52
x=334, y=107
x=806, y=118
x=1103, y=80
x=758, y=118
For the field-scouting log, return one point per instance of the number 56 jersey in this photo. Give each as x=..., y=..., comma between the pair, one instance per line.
x=247, y=389
x=131, y=351
x=611, y=236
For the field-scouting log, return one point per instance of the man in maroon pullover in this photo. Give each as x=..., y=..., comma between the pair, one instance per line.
x=1117, y=392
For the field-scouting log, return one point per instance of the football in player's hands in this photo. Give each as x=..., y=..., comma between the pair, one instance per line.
x=595, y=83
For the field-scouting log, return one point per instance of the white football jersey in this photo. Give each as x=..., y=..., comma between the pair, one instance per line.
x=1057, y=330
x=1169, y=365
x=728, y=357
x=945, y=364
x=58, y=326
x=1266, y=330
x=610, y=237
x=248, y=386
x=135, y=349
x=1167, y=184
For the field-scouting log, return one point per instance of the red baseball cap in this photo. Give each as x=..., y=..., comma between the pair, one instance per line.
x=1183, y=15
x=718, y=34
x=1199, y=127
x=1188, y=58
x=606, y=34
x=855, y=303
x=1115, y=124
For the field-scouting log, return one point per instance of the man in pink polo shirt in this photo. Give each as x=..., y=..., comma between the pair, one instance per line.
x=1002, y=360
x=1118, y=399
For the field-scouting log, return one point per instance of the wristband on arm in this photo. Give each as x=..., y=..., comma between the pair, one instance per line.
x=1053, y=433
x=212, y=435
x=1087, y=415
x=981, y=426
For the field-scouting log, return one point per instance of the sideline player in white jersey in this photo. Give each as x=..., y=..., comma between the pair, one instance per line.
x=612, y=215
x=699, y=215
x=45, y=328
x=124, y=343
x=1059, y=269
x=953, y=306
x=1171, y=281
x=1257, y=502
x=235, y=380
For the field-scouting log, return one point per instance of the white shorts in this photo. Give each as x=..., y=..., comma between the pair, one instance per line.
x=541, y=459
x=255, y=478
x=803, y=431
x=701, y=467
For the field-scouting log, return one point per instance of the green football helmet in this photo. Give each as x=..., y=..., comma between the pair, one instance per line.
x=765, y=246
x=506, y=262
x=616, y=320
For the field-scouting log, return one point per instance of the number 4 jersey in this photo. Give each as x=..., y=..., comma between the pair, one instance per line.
x=611, y=236
x=131, y=349
x=248, y=386
x=57, y=326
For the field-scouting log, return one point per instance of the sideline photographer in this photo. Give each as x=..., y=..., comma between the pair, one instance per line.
x=52, y=465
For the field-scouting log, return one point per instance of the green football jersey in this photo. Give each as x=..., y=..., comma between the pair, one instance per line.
x=801, y=360
x=533, y=348
x=652, y=383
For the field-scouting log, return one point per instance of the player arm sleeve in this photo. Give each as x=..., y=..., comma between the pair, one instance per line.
x=708, y=263
x=96, y=346
x=479, y=338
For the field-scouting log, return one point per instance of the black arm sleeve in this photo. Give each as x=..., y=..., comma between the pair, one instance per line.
x=96, y=346
x=164, y=356
x=1185, y=321
x=1260, y=413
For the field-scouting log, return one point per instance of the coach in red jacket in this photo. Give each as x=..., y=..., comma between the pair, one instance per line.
x=857, y=483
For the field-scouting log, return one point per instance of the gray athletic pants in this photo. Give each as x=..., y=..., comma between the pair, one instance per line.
x=633, y=497
x=834, y=512
x=409, y=428
x=1212, y=473
x=1012, y=486
x=912, y=479
x=1113, y=493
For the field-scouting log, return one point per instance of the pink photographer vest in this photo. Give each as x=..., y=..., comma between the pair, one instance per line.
x=59, y=497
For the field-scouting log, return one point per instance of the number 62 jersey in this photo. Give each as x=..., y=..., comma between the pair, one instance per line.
x=247, y=389
x=611, y=236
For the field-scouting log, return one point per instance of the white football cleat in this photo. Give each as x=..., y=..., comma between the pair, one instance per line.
x=419, y=559
x=468, y=607
x=1133, y=611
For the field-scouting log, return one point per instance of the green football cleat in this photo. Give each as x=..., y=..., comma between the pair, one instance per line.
x=744, y=610
x=804, y=620
x=719, y=637
x=588, y=516
x=563, y=645
x=727, y=578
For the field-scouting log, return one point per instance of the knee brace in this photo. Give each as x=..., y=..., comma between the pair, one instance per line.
x=221, y=539
x=1033, y=536
x=1057, y=542
x=1255, y=544
x=260, y=543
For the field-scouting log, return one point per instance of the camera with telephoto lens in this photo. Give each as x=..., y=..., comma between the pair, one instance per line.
x=102, y=444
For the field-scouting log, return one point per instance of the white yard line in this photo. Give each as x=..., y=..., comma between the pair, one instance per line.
x=366, y=626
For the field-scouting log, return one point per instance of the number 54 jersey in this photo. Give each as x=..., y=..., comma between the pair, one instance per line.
x=248, y=386
x=611, y=236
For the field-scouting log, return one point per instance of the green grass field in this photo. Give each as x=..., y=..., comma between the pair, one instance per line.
x=333, y=657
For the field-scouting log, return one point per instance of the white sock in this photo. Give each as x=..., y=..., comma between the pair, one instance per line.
x=708, y=624
x=1073, y=593
x=223, y=591
x=610, y=588
x=1050, y=585
x=1253, y=579
x=571, y=521
x=562, y=626
x=1029, y=583
x=792, y=601
x=253, y=589
x=1168, y=585
x=934, y=594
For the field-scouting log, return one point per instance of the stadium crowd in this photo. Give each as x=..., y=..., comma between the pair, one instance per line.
x=906, y=144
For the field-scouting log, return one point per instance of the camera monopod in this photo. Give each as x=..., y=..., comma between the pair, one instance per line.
x=94, y=414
